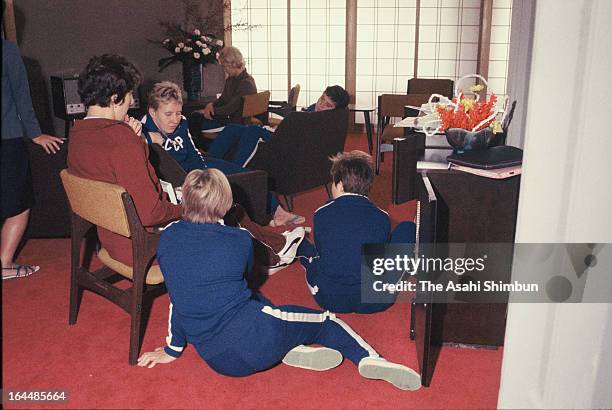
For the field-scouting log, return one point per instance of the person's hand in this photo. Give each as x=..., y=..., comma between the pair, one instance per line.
x=159, y=356
x=157, y=138
x=134, y=124
x=208, y=111
x=49, y=143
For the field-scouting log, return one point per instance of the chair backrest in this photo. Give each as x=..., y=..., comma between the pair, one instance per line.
x=165, y=166
x=430, y=86
x=297, y=156
x=255, y=104
x=294, y=93
x=97, y=202
x=392, y=105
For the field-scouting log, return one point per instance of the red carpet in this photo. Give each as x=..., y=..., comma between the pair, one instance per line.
x=89, y=360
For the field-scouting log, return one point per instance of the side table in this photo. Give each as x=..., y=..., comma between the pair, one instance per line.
x=366, y=116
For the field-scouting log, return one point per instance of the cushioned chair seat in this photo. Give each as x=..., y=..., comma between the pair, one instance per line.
x=154, y=275
x=390, y=133
x=274, y=121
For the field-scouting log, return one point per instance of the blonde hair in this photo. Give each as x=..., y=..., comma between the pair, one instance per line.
x=207, y=196
x=163, y=92
x=231, y=57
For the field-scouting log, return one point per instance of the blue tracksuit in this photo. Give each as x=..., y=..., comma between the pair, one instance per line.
x=245, y=138
x=180, y=146
x=333, y=264
x=235, y=331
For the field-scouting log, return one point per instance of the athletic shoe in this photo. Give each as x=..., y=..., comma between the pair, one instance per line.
x=313, y=358
x=400, y=376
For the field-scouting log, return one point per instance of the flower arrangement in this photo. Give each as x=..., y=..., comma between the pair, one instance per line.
x=469, y=113
x=187, y=41
x=190, y=45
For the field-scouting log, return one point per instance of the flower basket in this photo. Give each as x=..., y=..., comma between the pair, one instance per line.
x=463, y=140
x=468, y=122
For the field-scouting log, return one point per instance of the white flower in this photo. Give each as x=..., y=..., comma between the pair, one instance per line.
x=199, y=43
x=180, y=45
x=206, y=51
x=196, y=55
x=177, y=50
x=196, y=32
x=187, y=49
x=219, y=43
x=207, y=39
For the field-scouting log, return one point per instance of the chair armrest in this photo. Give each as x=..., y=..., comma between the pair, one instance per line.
x=250, y=189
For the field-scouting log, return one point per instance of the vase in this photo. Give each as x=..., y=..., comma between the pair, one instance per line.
x=463, y=140
x=192, y=79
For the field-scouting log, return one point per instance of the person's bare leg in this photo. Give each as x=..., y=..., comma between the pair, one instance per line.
x=12, y=231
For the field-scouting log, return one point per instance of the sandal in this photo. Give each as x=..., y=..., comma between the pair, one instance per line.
x=20, y=271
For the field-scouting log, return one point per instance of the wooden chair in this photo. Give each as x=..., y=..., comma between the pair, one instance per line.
x=283, y=108
x=95, y=203
x=255, y=108
x=254, y=111
x=417, y=93
x=391, y=106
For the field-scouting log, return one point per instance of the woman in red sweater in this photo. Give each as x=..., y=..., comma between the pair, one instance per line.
x=106, y=146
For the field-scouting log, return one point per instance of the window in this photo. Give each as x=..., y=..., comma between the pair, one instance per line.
x=312, y=51
x=385, y=49
x=265, y=45
x=500, y=46
x=317, y=46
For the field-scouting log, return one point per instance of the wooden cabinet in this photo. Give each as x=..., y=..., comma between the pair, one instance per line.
x=461, y=208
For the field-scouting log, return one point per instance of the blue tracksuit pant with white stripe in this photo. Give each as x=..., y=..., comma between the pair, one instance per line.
x=244, y=138
x=180, y=146
x=333, y=262
x=235, y=331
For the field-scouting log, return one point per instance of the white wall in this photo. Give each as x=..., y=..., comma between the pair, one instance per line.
x=559, y=356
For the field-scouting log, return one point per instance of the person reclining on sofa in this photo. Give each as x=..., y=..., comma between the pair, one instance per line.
x=247, y=137
x=106, y=146
x=166, y=126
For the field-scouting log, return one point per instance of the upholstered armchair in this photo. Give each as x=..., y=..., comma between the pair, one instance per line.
x=249, y=188
x=297, y=157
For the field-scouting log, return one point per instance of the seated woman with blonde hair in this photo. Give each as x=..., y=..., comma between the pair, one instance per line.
x=165, y=125
x=238, y=332
x=238, y=83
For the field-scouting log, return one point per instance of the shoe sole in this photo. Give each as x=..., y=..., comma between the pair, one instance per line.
x=17, y=275
x=275, y=269
x=401, y=377
x=287, y=254
x=313, y=358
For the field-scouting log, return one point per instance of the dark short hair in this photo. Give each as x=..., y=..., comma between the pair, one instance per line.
x=106, y=76
x=356, y=171
x=338, y=95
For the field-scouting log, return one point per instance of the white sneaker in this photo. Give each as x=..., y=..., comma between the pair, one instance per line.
x=400, y=376
x=313, y=358
x=293, y=240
